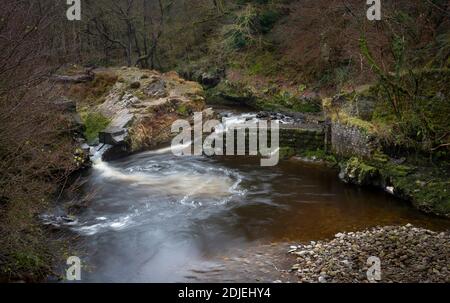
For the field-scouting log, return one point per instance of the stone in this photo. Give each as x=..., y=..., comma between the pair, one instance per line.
x=210, y=79
x=414, y=255
x=135, y=85
x=156, y=89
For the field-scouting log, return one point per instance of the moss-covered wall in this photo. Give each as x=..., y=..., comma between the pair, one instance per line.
x=302, y=140
x=294, y=141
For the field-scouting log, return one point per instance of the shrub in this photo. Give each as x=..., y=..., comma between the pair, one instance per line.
x=267, y=20
x=416, y=102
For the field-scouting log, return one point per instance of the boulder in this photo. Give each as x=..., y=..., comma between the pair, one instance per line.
x=210, y=79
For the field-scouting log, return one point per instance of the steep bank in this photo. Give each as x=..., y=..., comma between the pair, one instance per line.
x=42, y=164
x=41, y=155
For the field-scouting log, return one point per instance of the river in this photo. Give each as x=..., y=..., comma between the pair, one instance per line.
x=155, y=217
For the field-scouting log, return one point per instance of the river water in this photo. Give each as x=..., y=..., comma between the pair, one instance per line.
x=155, y=217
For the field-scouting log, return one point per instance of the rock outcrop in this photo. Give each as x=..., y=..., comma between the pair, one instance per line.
x=143, y=104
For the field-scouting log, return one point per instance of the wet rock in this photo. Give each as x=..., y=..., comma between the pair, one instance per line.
x=209, y=114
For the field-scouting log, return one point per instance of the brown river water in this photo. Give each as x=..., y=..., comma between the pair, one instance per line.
x=160, y=218
x=156, y=217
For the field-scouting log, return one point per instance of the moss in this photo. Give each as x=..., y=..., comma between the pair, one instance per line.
x=267, y=19
x=428, y=191
x=365, y=126
x=327, y=104
x=28, y=260
x=231, y=92
x=138, y=94
x=183, y=110
x=306, y=107
x=93, y=93
x=286, y=152
x=426, y=187
x=94, y=123
x=358, y=172
x=320, y=155
x=263, y=64
x=286, y=100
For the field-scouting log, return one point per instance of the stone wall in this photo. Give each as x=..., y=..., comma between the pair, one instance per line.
x=301, y=140
x=350, y=140
x=294, y=139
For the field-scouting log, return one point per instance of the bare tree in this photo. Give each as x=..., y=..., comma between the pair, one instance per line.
x=153, y=27
x=115, y=24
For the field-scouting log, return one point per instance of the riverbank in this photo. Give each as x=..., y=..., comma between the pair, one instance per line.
x=408, y=255
x=402, y=151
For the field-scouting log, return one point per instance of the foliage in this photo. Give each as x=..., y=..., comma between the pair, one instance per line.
x=294, y=102
x=94, y=123
x=242, y=32
x=419, y=100
x=36, y=134
x=321, y=155
x=92, y=92
x=267, y=20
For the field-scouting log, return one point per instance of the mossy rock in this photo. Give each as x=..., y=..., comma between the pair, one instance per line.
x=426, y=187
x=319, y=155
x=229, y=92
x=355, y=171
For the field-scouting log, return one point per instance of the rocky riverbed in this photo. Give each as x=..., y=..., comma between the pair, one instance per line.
x=407, y=254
